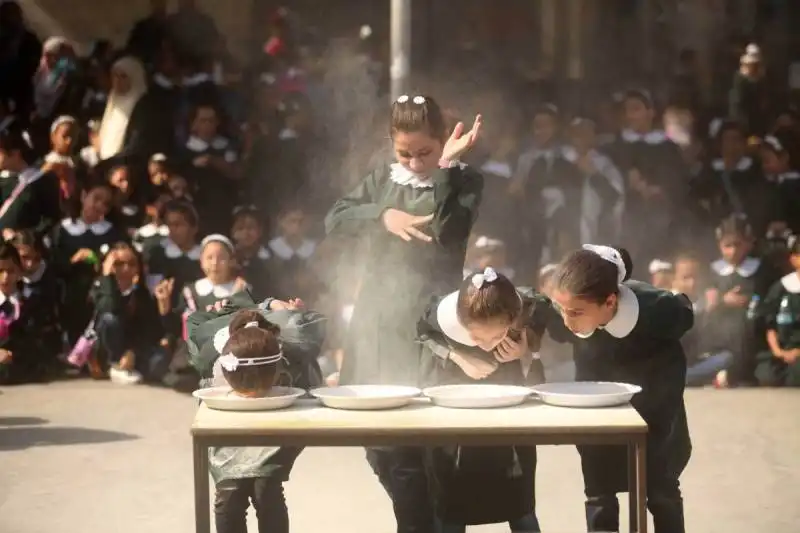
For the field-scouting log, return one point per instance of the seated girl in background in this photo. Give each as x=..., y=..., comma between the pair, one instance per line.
x=40, y=283
x=739, y=279
x=127, y=323
x=661, y=273
x=479, y=334
x=258, y=355
x=780, y=365
x=255, y=261
x=23, y=354
x=627, y=331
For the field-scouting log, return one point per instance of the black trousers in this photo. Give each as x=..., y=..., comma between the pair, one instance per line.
x=402, y=473
x=664, y=502
x=234, y=497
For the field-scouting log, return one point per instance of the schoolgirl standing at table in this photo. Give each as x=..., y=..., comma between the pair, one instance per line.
x=418, y=213
x=627, y=331
x=480, y=334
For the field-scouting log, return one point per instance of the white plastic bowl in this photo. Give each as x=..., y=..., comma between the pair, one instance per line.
x=477, y=396
x=366, y=397
x=586, y=393
x=223, y=399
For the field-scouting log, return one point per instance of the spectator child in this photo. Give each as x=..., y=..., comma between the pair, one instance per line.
x=63, y=140
x=255, y=260
x=292, y=247
x=780, y=365
x=661, y=274
x=128, y=324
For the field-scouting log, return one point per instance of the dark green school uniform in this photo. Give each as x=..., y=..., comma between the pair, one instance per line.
x=261, y=272
x=401, y=276
x=302, y=335
x=200, y=294
x=477, y=485
x=165, y=260
x=29, y=200
x=781, y=312
x=640, y=345
x=70, y=236
x=46, y=288
x=26, y=338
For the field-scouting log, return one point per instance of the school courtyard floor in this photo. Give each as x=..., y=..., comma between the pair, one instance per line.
x=92, y=457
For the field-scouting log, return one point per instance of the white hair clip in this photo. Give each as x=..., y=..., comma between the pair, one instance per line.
x=419, y=100
x=659, y=265
x=487, y=276
x=611, y=255
x=402, y=99
x=251, y=324
x=231, y=363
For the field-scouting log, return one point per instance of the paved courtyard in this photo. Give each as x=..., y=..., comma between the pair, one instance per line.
x=92, y=457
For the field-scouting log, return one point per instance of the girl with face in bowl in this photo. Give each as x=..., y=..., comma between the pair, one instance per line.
x=627, y=331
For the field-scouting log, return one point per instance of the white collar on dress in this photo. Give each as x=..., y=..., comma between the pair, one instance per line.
x=791, y=282
x=788, y=176
x=651, y=137
x=162, y=81
x=129, y=210
x=743, y=164
x=204, y=287
x=627, y=314
x=282, y=249
x=76, y=227
x=196, y=144
x=497, y=168
x=58, y=159
x=13, y=298
x=151, y=230
x=196, y=79
x=747, y=268
x=37, y=274
x=402, y=176
x=447, y=318
x=172, y=251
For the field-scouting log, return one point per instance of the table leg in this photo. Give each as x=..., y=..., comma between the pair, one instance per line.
x=641, y=485
x=202, y=505
x=633, y=486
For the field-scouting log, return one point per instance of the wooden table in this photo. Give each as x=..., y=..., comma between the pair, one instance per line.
x=421, y=424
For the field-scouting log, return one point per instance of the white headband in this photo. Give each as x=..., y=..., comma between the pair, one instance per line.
x=217, y=237
x=611, y=255
x=487, y=276
x=487, y=242
x=659, y=265
x=63, y=119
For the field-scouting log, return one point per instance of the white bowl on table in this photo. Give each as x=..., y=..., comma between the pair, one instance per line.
x=366, y=397
x=586, y=393
x=224, y=399
x=477, y=396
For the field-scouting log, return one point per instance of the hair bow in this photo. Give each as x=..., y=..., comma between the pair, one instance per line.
x=229, y=362
x=611, y=255
x=487, y=276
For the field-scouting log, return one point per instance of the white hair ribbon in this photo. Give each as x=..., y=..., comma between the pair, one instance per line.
x=231, y=363
x=487, y=276
x=611, y=255
x=402, y=99
x=251, y=324
x=419, y=100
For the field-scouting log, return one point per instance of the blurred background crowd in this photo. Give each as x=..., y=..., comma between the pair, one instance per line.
x=148, y=176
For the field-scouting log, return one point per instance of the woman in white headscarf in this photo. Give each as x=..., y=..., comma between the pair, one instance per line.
x=119, y=128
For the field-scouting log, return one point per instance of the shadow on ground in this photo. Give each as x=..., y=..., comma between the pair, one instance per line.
x=19, y=438
x=10, y=421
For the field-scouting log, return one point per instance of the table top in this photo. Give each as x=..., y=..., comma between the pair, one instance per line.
x=309, y=420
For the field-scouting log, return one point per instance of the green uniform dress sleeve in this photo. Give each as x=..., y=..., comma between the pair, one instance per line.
x=359, y=206
x=457, y=192
x=106, y=296
x=768, y=310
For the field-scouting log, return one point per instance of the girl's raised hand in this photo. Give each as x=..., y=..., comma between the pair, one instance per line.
x=81, y=255
x=163, y=291
x=405, y=225
x=459, y=142
x=109, y=263
x=511, y=350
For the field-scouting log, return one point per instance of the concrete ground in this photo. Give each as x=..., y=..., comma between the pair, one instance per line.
x=93, y=457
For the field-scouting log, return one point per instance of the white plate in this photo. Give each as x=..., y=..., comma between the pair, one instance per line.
x=366, y=397
x=477, y=396
x=586, y=393
x=223, y=399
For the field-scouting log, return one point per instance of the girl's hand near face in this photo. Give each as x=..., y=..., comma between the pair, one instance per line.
x=5, y=356
x=475, y=367
x=109, y=263
x=459, y=142
x=510, y=350
x=8, y=234
x=163, y=294
x=405, y=225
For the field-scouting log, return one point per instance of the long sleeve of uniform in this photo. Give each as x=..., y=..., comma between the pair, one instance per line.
x=457, y=192
x=106, y=296
x=358, y=206
x=768, y=310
